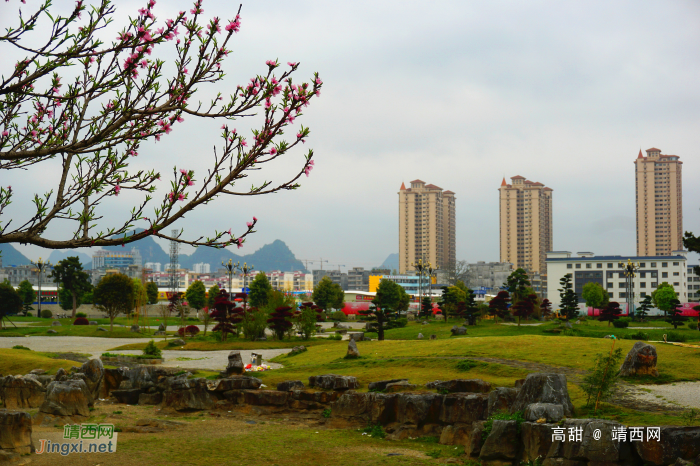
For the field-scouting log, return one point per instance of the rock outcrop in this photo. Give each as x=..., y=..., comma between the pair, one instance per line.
x=67, y=398
x=15, y=433
x=21, y=392
x=235, y=364
x=464, y=385
x=544, y=388
x=641, y=360
x=333, y=382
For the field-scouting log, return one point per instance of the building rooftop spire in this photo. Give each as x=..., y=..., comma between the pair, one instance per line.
x=640, y=154
x=403, y=186
x=503, y=183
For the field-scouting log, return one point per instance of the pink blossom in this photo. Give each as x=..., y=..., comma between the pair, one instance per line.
x=92, y=59
x=183, y=171
x=239, y=243
x=117, y=188
x=273, y=151
x=229, y=231
x=142, y=11
x=255, y=219
x=180, y=119
x=5, y=133
x=157, y=137
x=224, y=127
x=249, y=224
x=180, y=197
x=234, y=25
x=151, y=3
x=292, y=63
x=243, y=143
x=311, y=162
x=160, y=31
x=190, y=182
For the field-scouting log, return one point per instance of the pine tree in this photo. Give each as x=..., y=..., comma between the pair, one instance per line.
x=280, y=321
x=674, y=314
x=569, y=299
x=524, y=307
x=498, y=306
x=546, y=307
x=610, y=313
x=644, y=308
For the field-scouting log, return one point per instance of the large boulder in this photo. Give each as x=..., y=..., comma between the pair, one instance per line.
x=289, y=385
x=544, y=388
x=353, y=352
x=458, y=330
x=129, y=396
x=675, y=442
x=235, y=364
x=381, y=385
x=21, y=392
x=548, y=411
x=112, y=380
x=94, y=373
x=67, y=398
x=419, y=409
x=240, y=382
x=502, y=443
x=362, y=408
x=184, y=394
x=146, y=376
x=463, y=408
x=536, y=439
x=501, y=399
x=15, y=432
x=641, y=360
x=333, y=382
x=464, y=385
x=588, y=448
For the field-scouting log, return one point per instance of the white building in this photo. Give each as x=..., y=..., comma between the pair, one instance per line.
x=693, y=284
x=154, y=266
x=201, y=267
x=607, y=271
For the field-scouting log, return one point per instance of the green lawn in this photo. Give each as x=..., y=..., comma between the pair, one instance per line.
x=71, y=330
x=21, y=361
x=209, y=343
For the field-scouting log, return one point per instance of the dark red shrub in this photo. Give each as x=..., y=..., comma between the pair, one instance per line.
x=190, y=330
x=81, y=321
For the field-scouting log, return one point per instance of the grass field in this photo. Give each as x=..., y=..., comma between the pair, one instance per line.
x=71, y=330
x=21, y=361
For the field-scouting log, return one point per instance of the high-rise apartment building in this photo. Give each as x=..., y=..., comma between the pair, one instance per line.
x=659, y=196
x=526, y=223
x=426, y=226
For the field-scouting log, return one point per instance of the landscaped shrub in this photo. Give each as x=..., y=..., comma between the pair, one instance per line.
x=339, y=316
x=20, y=347
x=638, y=335
x=28, y=314
x=190, y=330
x=80, y=314
x=488, y=425
x=81, y=321
x=693, y=325
x=677, y=337
x=46, y=314
x=397, y=323
x=620, y=324
x=152, y=350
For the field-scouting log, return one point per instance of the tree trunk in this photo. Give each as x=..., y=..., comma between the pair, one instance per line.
x=518, y=321
x=380, y=331
x=75, y=304
x=111, y=322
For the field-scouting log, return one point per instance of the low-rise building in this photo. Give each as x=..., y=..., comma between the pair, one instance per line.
x=489, y=275
x=608, y=271
x=693, y=284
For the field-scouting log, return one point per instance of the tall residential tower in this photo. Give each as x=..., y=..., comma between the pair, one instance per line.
x=658, y=184
x=526, y=223
x=426, y=226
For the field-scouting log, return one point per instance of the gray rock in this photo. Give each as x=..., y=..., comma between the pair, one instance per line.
x=333, y=382
x=458, y=330
x=38, y=371
x=641, y=360
x=238, y=382
x=178, y=342
x=381, y=385
x=135, y=328
x=536, y=440
x=55, y=323
x=93, y=322
x=353, y=352
x=289, y=385
x=501, y=399
x=51, y=331
x=159, y=333
x=420, y=336
x=161, y=327
x=150, y=398
x=676, y=442
x=360, y=336
x=502, y=443
x=400, y=386
x=433, y=385
x=568, y=325
x=544, y=388
x=15, y=434
x=94, y=374
x=235, y=364
x=464, y=408
x=184, y=394
x=433, y=337
x=68, y=398
x=298, y=349
x=100, y=329
x=464, y=385
x=549, y=411
x=17, y=392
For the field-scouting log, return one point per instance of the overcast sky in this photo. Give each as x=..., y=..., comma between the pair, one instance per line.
x=458, y=94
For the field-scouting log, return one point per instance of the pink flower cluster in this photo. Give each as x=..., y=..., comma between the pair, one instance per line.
x=309, y=167
x=234, y=25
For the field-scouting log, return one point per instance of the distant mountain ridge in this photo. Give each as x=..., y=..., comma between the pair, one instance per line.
x=11, y=256
x=58, y=255
x=391, y=262
x=273, y=256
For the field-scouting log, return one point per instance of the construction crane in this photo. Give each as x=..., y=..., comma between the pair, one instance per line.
x=306, y=262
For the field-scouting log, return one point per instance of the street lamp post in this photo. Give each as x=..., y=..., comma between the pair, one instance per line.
x=419, y=266
x=230, y=268
x=41, y=266
x=431, y=271
x=246, y=269
x=630, y=269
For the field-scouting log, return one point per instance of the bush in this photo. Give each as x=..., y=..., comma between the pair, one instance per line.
x=397, y=323
x=28, y=314
x=81, y=321
x=190, y=330
x=152, y=350
x=339, y=316
x=620, y=323
x=20, y=347
x=375, y=431
x=488, y=425
x=676, y=337
x=638, y=335
x=80, y=314
x=46, y=314
x=625, y=319
x=693, y=325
